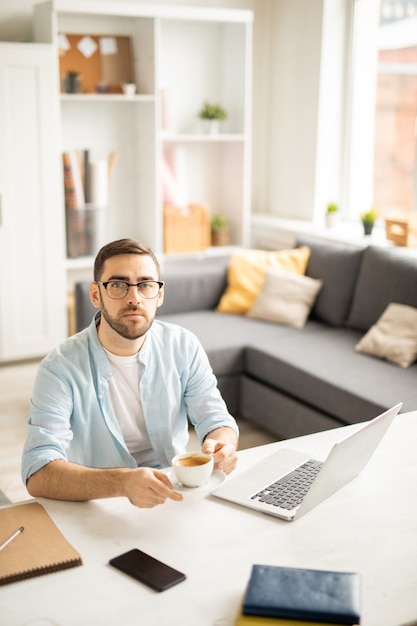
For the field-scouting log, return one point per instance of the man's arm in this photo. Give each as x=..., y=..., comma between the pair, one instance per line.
x=222, y=444
x=60, y=480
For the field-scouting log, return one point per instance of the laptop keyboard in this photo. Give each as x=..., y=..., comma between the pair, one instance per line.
x=290, y=490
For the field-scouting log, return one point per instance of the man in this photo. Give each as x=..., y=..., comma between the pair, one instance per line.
x=110, y=405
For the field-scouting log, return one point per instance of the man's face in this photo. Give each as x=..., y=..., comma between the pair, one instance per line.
x=132, y=316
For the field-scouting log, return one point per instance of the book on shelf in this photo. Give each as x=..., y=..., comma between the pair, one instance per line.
x=291, y=593
x=73, y=180
x=86, y=176
x=39, y=549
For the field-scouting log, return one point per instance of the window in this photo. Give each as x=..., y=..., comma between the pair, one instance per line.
x=395, y=147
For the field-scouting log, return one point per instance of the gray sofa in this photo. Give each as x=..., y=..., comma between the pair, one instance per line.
x=296, y=381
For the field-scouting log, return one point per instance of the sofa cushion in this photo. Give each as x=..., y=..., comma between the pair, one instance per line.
x=222, y=336
x=193, y=286
x=285, y=298
x=279, y=413
x=385, y=276
x=394, y=336
x=337, y=265
x=246, y=274
x=320, y=368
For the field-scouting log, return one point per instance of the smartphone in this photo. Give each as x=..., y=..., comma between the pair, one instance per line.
x=147, y=570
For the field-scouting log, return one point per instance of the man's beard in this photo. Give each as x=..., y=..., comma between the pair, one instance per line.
x=127, y=329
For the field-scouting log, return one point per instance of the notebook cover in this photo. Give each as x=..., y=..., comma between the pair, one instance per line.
x=303, y=594
x=255, y=620
x=40, y=549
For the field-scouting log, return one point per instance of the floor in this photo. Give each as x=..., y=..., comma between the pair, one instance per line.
x=16, y=382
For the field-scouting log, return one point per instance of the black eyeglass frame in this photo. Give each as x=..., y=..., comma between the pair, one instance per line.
x=160, y=283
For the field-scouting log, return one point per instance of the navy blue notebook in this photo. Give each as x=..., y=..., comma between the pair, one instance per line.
x=303, y=594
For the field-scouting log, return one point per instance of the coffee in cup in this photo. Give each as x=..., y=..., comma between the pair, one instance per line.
x=193, y=469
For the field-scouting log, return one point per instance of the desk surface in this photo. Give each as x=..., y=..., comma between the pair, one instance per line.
x=216, y=543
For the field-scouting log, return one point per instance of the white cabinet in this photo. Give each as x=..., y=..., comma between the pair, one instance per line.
x=182, y=56
x=33, y=316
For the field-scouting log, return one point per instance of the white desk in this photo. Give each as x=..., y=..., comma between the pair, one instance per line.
x=215, y=543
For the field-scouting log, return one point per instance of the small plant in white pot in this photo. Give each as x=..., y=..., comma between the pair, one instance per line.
x=331, y=214
x=129, y=88
x=212, y=114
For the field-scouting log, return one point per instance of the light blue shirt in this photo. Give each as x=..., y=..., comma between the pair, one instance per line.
x=71, y=416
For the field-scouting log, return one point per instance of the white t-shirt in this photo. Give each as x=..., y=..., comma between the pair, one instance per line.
x=125, y=398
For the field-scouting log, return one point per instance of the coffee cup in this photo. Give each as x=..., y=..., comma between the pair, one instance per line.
x=193, y=469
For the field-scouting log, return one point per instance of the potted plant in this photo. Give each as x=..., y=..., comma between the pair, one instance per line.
x=211, y=114
x=220, y=230
x=72, y=82
x=368, y=220
x=129, y=88
x=331, y=214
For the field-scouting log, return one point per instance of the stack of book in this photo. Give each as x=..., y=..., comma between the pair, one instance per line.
x=76, y=187
x=86, y=186
x=294, y=596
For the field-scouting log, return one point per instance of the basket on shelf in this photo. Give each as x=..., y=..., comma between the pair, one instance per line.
x=186, y=229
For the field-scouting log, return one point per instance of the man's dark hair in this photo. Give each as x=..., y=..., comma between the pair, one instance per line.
x=121, y=246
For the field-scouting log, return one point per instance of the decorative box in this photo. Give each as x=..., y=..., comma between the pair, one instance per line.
x=402, y=230
x=186, y=229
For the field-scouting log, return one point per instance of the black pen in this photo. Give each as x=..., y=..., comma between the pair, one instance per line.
x=6, y=543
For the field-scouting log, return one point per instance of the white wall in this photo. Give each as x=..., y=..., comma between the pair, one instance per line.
x=294, y=72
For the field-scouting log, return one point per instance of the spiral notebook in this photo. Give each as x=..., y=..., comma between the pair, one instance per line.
x=40, y=549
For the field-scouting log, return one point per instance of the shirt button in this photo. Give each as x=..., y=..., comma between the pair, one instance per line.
x=100, y=396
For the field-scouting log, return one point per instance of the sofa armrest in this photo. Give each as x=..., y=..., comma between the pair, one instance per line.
x=84, y=309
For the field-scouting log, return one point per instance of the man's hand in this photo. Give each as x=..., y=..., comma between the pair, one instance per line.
x=222, y=444
x=146, y=487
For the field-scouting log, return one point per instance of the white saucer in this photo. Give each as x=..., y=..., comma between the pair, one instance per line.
x=214, y=481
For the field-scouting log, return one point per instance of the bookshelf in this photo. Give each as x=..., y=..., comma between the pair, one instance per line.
x=182, y=56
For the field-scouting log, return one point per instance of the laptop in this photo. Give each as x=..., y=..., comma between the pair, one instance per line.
x=289, y=483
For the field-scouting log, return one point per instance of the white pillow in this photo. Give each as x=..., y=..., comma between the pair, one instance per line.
x=394, y=336
x=285, y=297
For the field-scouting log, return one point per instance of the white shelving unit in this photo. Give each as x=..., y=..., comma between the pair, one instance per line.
x=32, y=272
x=182, y=56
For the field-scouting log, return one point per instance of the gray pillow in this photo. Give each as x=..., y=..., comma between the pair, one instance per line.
x=337, y=265
x=385, y=276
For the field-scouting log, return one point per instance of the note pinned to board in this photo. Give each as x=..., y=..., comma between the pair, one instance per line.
x=63, y=43
x=108, y=45
x=87, y=46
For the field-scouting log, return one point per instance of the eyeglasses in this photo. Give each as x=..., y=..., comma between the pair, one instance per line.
x=118, y=289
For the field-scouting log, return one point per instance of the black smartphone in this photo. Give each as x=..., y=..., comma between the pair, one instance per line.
x=147, y=570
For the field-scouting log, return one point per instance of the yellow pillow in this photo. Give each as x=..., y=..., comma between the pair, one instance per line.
x=246, y=275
